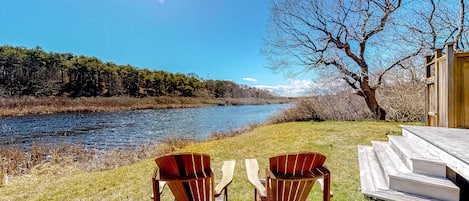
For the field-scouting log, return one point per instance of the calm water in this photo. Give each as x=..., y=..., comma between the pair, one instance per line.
x=128, y=129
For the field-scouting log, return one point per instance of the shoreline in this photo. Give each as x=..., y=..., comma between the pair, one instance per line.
x=55, y=181
x=10, y=107
x=95, y=159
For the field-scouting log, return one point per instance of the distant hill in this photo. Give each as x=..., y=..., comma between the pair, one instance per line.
x=34, y=72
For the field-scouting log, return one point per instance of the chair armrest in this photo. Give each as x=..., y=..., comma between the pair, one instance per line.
x=228, y=172
x=252, y=170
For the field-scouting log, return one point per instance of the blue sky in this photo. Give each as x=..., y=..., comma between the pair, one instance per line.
x=215, y=39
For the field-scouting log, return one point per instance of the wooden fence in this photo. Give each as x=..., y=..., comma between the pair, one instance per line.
x=447, y=91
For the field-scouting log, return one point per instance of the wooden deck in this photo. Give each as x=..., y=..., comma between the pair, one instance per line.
x=426, y=163
x=450, y=144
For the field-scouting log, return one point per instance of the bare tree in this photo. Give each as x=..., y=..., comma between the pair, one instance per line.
x=436, y=22
x=458, y=36
x=355, y=39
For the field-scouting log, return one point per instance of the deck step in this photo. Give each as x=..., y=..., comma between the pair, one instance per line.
x=392, y=195
x=400, y=178
x=408, y=167
x=374, y=183
x=388, y=159
x=438, y=188
x=416, y=157
x=372, y=176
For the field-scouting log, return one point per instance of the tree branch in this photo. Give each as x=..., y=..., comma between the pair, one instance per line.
x=457, y=37
x=397, y=63
x=342, y=69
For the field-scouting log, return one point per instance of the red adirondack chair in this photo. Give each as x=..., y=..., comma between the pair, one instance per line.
x=290, y=177
x=190, y=178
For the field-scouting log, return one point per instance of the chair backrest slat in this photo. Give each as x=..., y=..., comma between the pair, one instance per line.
x=293, y=178
x=197, y=183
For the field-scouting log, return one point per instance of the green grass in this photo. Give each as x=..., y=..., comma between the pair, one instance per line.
x=337, y=140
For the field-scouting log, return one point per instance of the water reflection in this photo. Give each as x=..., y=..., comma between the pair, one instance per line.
x=127, y=129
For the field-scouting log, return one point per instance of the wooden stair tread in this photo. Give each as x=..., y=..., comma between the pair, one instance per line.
x=397, y=195
x=384, y=175
x=411, y=149
x=388, y=159
x=371, y=175
x=373, y=182
x=420, y=178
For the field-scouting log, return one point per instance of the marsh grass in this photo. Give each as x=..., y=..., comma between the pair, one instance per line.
x=171, y=144
x=2, y=177
x=48, y=105
x=337, y=140
x=19, y=161
x=234, y=132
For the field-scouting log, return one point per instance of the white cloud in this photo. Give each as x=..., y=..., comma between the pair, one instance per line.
x=249, y=79
x=161, y=1
x=295, y=88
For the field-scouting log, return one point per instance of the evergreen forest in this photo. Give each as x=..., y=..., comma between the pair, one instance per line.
x=35, y=72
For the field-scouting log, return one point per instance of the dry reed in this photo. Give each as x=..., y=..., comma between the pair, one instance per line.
x=48, y=105
x=2, y=178
x=233, y=132
x=18, y=161
x=33, y=105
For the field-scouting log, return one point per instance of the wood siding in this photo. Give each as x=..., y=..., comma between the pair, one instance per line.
x=447, y=92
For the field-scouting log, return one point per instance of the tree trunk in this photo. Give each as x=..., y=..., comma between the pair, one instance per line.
x=369, y=94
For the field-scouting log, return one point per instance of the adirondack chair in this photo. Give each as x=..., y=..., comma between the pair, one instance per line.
x=190, y=178
x=290, y=177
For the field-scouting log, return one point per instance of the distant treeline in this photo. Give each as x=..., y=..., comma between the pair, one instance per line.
x=34, y=72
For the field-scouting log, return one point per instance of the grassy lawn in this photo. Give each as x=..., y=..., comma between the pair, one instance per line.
x=337, y=140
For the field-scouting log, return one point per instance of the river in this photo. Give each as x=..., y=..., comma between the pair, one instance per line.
x=129, y=129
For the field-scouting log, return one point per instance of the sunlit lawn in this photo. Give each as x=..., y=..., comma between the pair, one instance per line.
x=337, y=140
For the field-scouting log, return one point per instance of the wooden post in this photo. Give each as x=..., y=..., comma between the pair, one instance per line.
x=427, y=106
x=428, y=60
x=436, y=87
x=449, y=94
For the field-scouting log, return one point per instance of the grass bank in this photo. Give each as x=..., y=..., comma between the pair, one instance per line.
x=48, y=105
x=338, y=140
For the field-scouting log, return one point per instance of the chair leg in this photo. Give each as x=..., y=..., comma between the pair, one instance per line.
x=327, y=188
x=156, y=190
x=226, y=194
